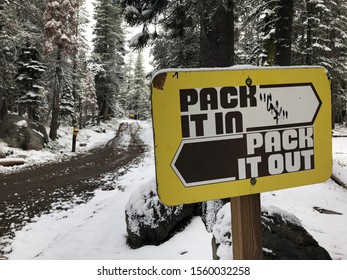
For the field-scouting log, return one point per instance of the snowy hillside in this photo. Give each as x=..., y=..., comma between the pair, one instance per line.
x=97, y=229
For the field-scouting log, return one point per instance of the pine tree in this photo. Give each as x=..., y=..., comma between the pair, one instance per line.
x=67, y=105
x=127, y=83
x=283, y=33
x=88, y=99
x=256, y=41
x=81, y=61
x=216, y=33
x=176, y=52
x=21, y=24
x=108, y=56
x=334, y=40
x=29, y=85
x=178, y=43
x=215, y=18
x=8, y=29
x=322, y=40
x=139, y=93
x=60, y=32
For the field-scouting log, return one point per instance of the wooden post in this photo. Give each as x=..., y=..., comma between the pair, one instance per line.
x=74, y=139
x=246, y=227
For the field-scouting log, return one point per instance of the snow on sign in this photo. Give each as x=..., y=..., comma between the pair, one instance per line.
x=228, y=132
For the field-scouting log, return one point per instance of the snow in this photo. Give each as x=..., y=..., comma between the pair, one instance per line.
x=65, y=38
x=139, y=205
x=144, y=207
x=130, y=31
x=286, y=216
x=339, y=160
x=53, y=24
x=234, y=67
x=329, y=230
x=131, y=10
x=146, y=13
x=97, y=229
x=220, y=230
x=135, y=39
x=55, y=151
x=22, y=124
x=91, y=23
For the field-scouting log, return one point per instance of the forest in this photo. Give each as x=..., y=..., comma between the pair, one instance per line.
x=49, y=73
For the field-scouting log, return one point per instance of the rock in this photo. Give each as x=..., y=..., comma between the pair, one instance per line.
x=149, y=222
x=18, y=132
x=208, y=211
x=284, y=238
x=287, y=239
x=2, y=153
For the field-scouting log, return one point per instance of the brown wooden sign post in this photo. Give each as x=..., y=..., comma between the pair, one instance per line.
x=246, y=227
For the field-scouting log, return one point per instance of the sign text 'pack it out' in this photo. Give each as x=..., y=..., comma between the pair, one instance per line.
x=228, y=132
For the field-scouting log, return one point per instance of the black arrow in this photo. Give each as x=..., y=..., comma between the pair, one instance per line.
x=203, y=161
x=210, y=160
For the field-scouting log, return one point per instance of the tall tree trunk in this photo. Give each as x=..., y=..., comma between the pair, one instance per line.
x=74, y=89
x=56, y=97
x=216, y=34
x=2, y=2
x=105, y=111
x=309, y=10
x=74, y=76
x=81, y=124
x=3, y=106
x=284, y=28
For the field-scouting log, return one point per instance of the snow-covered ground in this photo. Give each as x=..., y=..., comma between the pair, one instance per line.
x=87, y=139
x=97, y=230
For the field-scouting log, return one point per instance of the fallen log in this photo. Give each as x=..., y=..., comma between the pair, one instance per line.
x=11, y=161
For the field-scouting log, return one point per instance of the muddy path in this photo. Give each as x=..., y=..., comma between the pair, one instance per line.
x=41, y=189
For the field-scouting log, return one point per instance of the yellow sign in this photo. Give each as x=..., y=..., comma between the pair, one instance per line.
x=229, y=132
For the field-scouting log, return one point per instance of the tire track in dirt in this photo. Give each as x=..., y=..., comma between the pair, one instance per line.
x=32, y=192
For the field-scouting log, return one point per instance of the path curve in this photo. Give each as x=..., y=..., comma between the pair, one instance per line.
x=33, y=191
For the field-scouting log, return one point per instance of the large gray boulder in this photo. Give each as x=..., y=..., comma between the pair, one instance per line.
x=284, y=238
x=19, y=132
x=149, y=222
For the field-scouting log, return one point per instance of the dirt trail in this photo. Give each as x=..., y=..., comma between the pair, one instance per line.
x=36, y=190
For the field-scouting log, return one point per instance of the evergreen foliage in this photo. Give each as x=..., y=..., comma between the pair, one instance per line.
x=212, y=19
x=29, y=85
x=127, y=83
x=88, y=99
x=108, y=56
x=80, y=63
x=67, y=105
x=21, y=23
x=183, y=34
x=60, y=31
x=8, y=30
x=139, y=102
x=176, y=52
